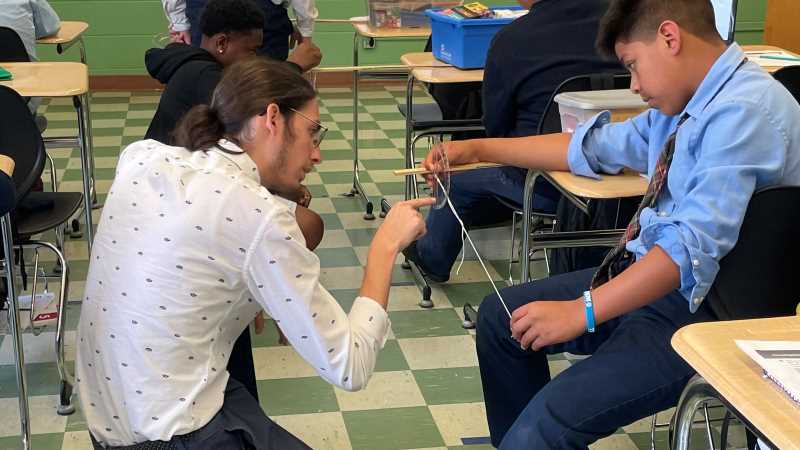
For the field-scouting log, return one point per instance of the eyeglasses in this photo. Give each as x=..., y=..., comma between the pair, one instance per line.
x=319, y=133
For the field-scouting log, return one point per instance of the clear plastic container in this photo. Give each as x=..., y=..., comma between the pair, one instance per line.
x=403, y=13
x=576, y=108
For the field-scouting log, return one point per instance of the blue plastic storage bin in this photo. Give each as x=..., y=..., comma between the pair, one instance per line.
x=464, y=43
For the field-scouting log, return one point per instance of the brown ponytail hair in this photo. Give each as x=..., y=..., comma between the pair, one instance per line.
x=245, y=90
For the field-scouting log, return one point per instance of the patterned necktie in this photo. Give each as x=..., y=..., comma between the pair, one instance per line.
x=618, y=259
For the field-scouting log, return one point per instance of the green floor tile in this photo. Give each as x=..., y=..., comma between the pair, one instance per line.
x=142, y=107
x=390, y=429
x=426, y=323
x=391, y=358
x=331, y=221
x=49, y=441
x=383, y=164
x=76, y=421
x=337, y=257
x=472, y=293
x=444, y=386
x=347, y=204
x=296, y=396
x=100, y=174
x=42, y=379
x=137, y=122
x=375, y=143
x=343, y=177
x=336, y=155
x=267, y=338
x=116, y=131
x=105, y=152
x=380, y=101
x=334, y=135
x=111, y=100
x=397, y=134
x=107, y=114
x=361, y=237
x=345, y=297
x=318, y=191
x=363, y=125
x=401, y=276
x=392, y=188
x=60, y=108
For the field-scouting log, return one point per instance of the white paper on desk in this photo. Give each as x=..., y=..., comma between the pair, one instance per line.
x=780, y=361
x=758, y=58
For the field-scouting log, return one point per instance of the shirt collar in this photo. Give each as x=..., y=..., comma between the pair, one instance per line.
x=238, y=157
x=715, y=79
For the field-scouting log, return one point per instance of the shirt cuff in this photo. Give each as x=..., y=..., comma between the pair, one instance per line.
x=368, y=315
x=697, y=269
x=580, y=161
x=180, y=26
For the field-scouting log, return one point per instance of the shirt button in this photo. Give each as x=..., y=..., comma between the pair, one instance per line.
x=696, y=262
x=662, y=214
x=697, y=300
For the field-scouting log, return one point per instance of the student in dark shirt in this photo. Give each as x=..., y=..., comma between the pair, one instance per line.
x=527, y=61
x=231, y=33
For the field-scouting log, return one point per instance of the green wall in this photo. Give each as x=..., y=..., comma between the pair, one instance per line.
x=121, y=30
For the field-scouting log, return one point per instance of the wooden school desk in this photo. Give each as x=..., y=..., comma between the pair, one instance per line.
x=726, y=373
x=425, y=68
x=69, y=34
x=363, y=31
x=577, y=190
x=60, y=79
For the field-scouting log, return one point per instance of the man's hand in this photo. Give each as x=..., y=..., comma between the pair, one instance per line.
x=304, y=197
x=296, y=38
x=543, y=323
x=307, y=55
x=183, y=37
x=258, y=323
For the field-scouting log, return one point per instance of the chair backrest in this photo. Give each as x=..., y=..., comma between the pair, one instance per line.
x=20, y=139
x=551, y=120
x=11, y=47
x=789, y=77
x=757, y=278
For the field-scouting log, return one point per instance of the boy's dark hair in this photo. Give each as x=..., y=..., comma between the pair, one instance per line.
x=231, y=16
x=627, y=20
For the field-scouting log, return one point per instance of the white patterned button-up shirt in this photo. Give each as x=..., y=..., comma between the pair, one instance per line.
x=189, y=248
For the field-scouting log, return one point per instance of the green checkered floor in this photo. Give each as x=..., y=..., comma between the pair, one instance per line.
x=425, y=393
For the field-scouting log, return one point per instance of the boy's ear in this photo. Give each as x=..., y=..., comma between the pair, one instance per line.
x=669, y=33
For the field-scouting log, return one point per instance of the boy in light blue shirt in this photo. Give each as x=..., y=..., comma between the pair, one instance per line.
x=718, y=130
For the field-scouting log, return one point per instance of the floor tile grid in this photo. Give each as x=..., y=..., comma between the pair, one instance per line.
x=426, y=390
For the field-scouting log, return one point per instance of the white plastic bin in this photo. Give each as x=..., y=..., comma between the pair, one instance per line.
x=576, y=108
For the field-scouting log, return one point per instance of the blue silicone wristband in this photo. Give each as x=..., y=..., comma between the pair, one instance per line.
x=587, y=302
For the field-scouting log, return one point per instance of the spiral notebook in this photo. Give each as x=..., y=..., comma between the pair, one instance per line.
x=780, y=361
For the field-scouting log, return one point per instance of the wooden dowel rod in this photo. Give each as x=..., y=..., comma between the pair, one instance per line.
x=461, y=168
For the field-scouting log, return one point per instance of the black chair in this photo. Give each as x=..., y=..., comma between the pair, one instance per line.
x=790, y=78
x=11, y=47
x=756, y=279
x=551, y=123
x=37, y=212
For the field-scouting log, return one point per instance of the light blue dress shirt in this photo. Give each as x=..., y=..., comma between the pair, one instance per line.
x=742, y=134
x=31, y=19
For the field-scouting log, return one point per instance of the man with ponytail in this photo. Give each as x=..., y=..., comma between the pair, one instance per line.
x=191, y=245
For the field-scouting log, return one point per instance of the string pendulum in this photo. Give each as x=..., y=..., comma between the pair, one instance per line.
x=442, y=176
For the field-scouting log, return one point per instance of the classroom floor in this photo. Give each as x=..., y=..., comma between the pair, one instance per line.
x=426, y=391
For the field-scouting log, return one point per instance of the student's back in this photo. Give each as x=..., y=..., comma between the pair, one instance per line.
x=190, y=75
x=530, y=57
x=31, y=19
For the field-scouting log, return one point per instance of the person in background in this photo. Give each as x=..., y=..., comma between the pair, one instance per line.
x=231, y=33
x=527, y=60
x=280, y=35
x=191, y=245
x=32, y=20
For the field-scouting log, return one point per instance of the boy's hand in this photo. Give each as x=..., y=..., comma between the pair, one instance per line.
x=457, y=152
x=543, y=323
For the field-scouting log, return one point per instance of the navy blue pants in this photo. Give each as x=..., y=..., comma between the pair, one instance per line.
x=632, y=371
x=475, y=197
x=277, y=27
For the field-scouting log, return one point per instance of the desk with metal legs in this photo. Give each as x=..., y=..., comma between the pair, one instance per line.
x=61, y=79
x=363, y=31
x=726, y=373
x=71, y=33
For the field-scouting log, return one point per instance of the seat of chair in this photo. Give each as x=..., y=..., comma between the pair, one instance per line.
x=428, y=115
x=42, y=211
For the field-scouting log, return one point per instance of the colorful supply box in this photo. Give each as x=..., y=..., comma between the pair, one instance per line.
x=461, y=36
